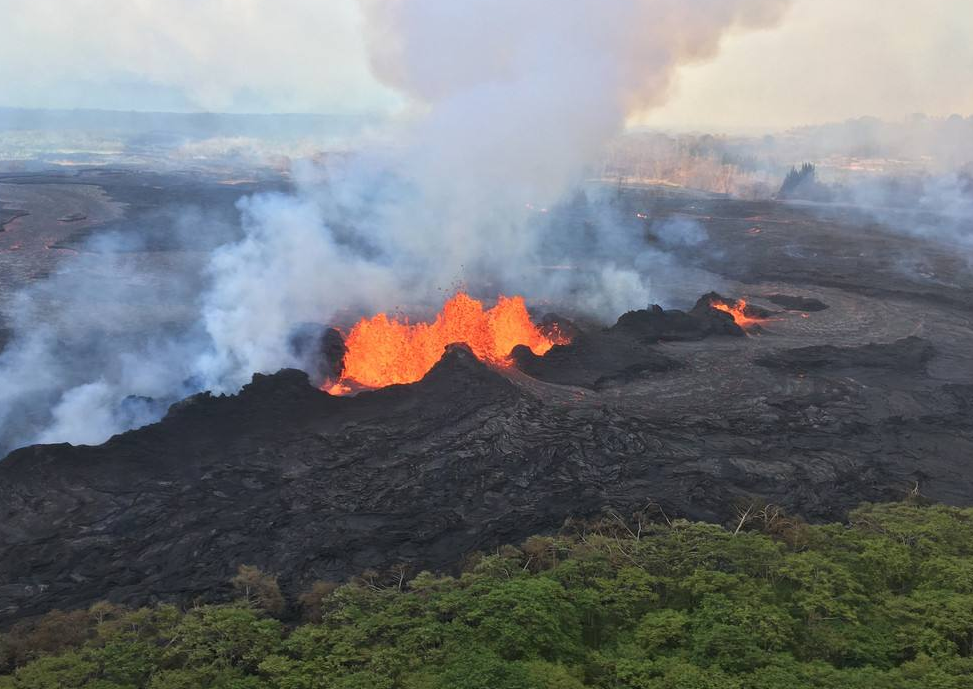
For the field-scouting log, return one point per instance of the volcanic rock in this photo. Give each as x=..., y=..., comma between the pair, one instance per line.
x=73, y=217
x=321, y=348
x=907, y=354
x=8, y=215
x=657, y=325
x=333, y=351
x=792, y=303
x=594, y=360
x=556, y=327
x=624, y=352
x=292, y=480
x=287, y=478
x=705, y=303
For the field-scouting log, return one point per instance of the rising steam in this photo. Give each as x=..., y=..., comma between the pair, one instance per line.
x=509, y=100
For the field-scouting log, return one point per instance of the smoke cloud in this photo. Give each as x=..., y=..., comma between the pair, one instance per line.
x=933, y=208
x=509, y=102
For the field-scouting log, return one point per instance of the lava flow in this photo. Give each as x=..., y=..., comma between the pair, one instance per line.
x=739, y=312
x=384, y=351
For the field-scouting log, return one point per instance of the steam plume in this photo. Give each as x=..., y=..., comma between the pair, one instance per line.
x=509, y=100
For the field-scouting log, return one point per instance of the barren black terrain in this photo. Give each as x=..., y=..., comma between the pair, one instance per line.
x=857, y=385
x=8, y=215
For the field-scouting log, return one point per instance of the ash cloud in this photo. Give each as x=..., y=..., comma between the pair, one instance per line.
x=511, y=103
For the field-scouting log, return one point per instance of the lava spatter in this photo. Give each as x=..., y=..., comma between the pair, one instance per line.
x=385, y=351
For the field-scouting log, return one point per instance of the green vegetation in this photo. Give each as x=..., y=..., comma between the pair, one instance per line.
x=885, y=601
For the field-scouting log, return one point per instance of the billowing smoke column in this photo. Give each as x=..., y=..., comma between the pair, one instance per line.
x=507, y=102
x=517, y=96
x=510, y=99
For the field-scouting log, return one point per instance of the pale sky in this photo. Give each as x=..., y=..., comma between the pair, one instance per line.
x=832, y=60
x=829, y=60
x=219, y=55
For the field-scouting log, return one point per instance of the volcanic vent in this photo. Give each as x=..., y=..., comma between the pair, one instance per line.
x=383, y=351
x=744, y=315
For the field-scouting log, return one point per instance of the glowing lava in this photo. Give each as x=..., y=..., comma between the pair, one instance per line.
x=384, y=351
x=739, y=312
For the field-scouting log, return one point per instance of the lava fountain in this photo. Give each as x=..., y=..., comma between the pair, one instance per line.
x=739, y=311
x=385, y=351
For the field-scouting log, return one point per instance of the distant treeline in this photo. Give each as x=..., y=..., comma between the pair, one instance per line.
x=189, y=124
x=802, y=183
x=883, y=601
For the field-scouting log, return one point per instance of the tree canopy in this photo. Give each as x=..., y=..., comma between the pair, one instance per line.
x=883, y=601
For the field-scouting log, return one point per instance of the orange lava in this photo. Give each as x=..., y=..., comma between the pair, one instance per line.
x=739, y=313
x=385, y=351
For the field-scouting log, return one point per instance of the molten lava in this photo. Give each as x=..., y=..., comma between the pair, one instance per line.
x=384, y=351
x=739, y=312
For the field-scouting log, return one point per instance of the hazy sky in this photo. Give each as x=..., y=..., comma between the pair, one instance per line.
x=832, y=60
x=226, y=55
x=828, y=60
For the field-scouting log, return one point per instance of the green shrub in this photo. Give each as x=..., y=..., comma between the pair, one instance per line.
x=884, y=601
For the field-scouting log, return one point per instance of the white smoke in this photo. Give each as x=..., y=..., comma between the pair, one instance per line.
x=679, y=232
x=517, y=97
x=509, y=101
x=83, y=414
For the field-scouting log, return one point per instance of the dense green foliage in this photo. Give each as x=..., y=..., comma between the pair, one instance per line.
x=885, y=601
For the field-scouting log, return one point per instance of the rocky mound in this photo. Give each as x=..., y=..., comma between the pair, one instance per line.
x=657, y=325
x=907, y=354
x=292, y=480
x=705, y=307
x=322, y=349
x=594, y=360
x=625, y=352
